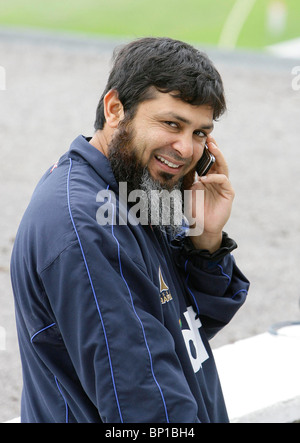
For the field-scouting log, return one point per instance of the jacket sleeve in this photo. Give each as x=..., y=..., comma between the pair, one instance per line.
x=214, y=284
x=122, y=354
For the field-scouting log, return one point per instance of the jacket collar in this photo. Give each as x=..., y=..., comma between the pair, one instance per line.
x=97, y=160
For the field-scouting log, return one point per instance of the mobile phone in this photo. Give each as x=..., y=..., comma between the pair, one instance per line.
x=205, y=162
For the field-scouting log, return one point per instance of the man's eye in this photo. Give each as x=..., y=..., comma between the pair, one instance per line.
x=172, y=124
x=200, y=134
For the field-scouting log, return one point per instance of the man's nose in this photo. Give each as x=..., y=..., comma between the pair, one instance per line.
x=184, y=145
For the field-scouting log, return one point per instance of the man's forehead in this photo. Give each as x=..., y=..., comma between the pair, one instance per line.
x=165, y=105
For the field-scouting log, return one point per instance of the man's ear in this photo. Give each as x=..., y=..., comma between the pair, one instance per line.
x=113, y=109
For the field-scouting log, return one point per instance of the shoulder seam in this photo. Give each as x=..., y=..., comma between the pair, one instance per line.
x=56, y=257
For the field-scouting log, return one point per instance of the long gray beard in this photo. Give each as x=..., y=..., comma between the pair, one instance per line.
x=165, y=206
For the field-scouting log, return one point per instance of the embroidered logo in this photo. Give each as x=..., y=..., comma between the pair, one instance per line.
x=164, y=291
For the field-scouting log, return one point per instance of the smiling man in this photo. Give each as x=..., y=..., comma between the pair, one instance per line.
x=114, y=319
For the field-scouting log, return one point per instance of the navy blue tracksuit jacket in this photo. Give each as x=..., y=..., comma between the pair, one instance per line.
x=113, y=321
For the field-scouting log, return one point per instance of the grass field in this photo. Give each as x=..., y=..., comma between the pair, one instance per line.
x=198, y=21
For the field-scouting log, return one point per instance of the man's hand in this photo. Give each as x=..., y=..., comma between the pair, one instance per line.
x=218, y=199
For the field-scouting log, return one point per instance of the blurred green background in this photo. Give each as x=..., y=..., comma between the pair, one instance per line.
x=227, y=23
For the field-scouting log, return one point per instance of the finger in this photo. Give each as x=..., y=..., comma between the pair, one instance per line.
x=220, y=165
x=210, y=139
x=218, y=179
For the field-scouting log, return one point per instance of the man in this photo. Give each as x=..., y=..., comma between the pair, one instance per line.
x=114, y=315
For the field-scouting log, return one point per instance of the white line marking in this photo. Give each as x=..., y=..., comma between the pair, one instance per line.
x=234, y=23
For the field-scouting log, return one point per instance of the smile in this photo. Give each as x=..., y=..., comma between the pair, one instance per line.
x=166, y=162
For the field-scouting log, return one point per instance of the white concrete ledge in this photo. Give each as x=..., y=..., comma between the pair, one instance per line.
x=287, y=49
x=14, y=420
x=260, y=377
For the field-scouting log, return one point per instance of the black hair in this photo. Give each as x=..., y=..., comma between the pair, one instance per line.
x=168, y=65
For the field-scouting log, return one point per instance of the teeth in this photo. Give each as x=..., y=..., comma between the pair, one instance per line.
x=163, y=160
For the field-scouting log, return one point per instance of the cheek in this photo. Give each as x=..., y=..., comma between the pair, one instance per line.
x=197, y=155
x=147, y=146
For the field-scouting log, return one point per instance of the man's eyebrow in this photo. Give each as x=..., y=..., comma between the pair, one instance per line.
x=175, y=116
